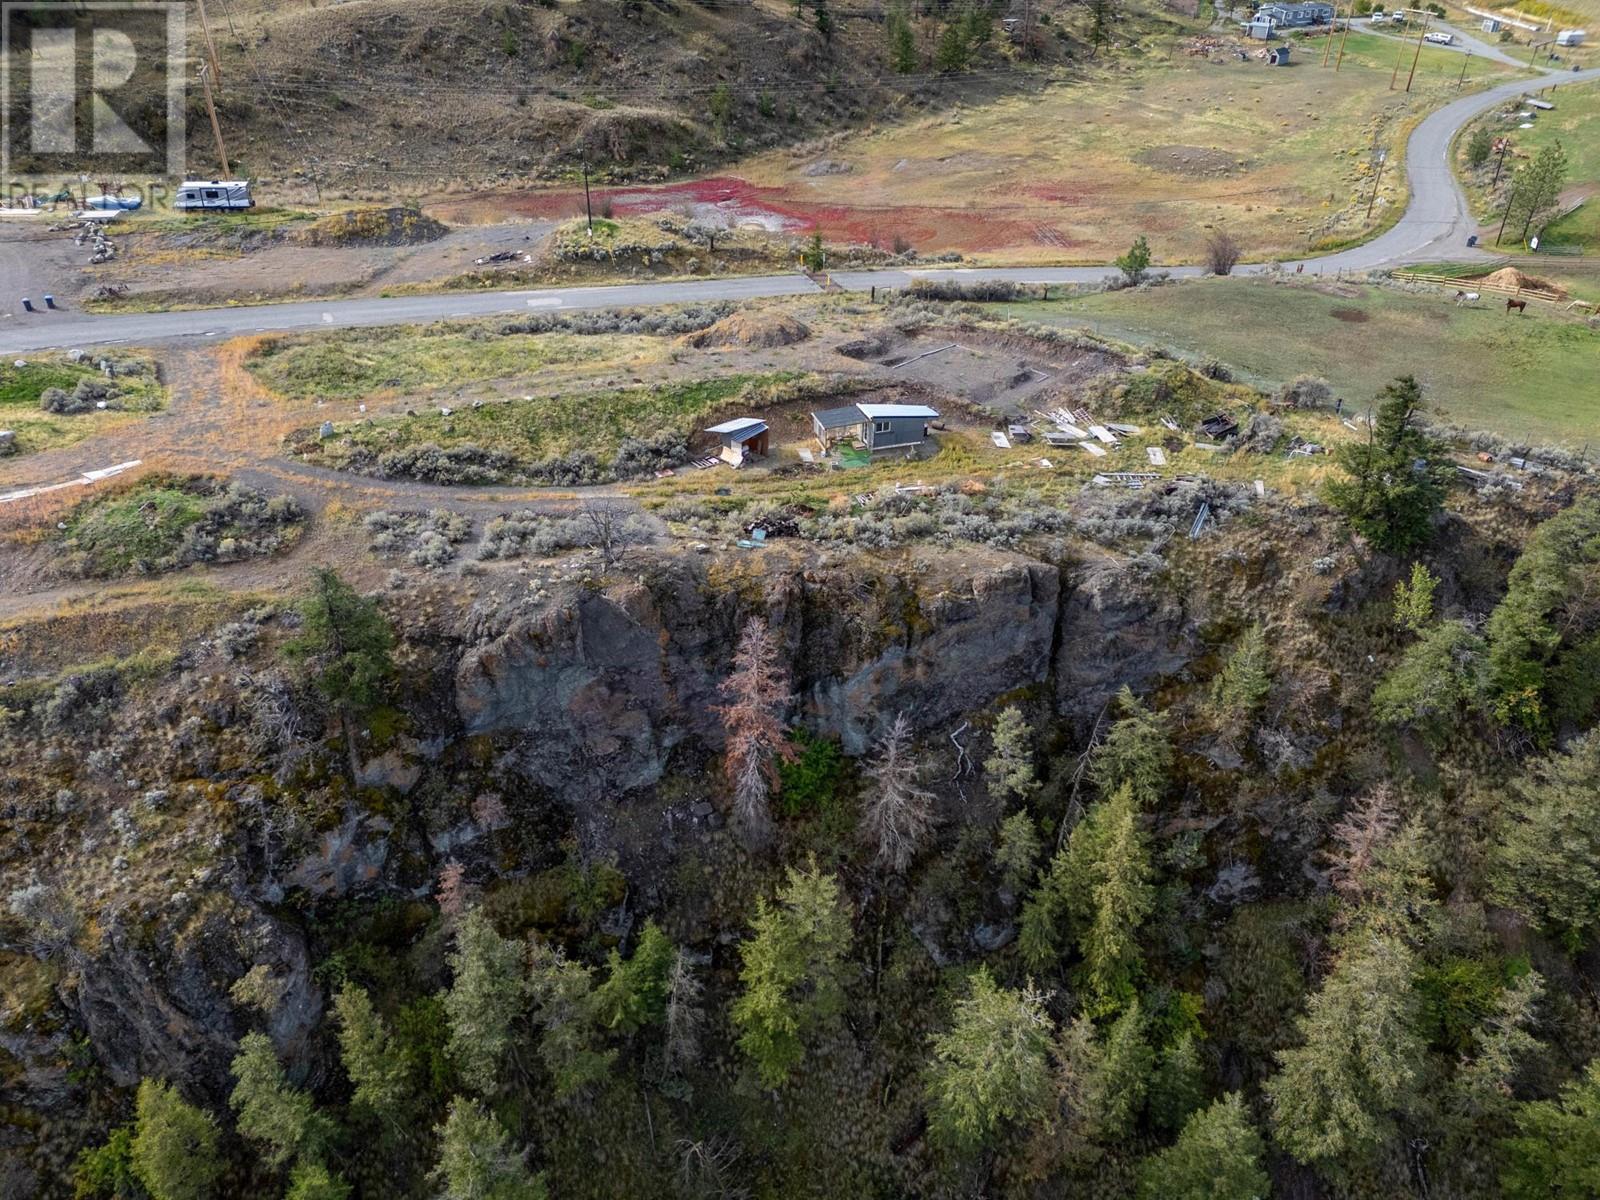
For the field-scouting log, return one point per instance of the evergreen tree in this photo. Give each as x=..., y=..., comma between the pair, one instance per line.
x=1480, y=144
x=1544, y=635
x=824, y=20
x=1135, y=262
x=107, y=1170
x=902, y=45
x=1106, y=892
x=1136, y=752
x=1556, y=1153
x=1017, y=849
x=1413, y=599
x=1536, y=190
x=477, y=1160
x=793, y=972
x=1546, y=862
x=174, y=1150
x=484, y=999
x=1241, y=687
x=379, y=1071
x=1177, y=1088
x=1117, y=1091
x=1396, y=480
x=991, y=1067
x=1436, y=680
x=347, y=639
x=1217, y=1157
x=564, y=1007
x=635, y=991
x=1010, y=767
x=282, y=1119
x=313, y=1181
x=951, y=54
x=1334, y=1094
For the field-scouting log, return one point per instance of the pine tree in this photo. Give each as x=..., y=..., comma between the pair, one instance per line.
x=1438, y=678
x=952, y=52
x=1136, y=751
x=313, y=1181
x=1556, y=1153
x=348, y=640
x=1010, y=767
x=1241, y=687
x=485, y=998
x=281, y=1119
x=1413, y=599
x=1217, y=1157
x=1135, y=262
x=174, y=1152
x=1117, y=1091
x=991, y=1067
x=1395, y=481
x=1480, y=144
x=1536, y=190
x=379, y=1071
x=1177, y=1088
x=758, y=694
x=793, y=973
x=564, y=1008
x=477, y=1160
x=902, y=44
x=1334, y=1094
x=1546, y=862
x=635, y=991
x=1017, y=849
x=898, y=814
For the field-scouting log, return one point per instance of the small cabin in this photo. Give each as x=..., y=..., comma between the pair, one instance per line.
x=742, y=438
x=874, y=426
x=211, y=195
x=1278, y=56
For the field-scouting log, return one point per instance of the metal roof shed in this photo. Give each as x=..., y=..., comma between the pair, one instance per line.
x=742, y=437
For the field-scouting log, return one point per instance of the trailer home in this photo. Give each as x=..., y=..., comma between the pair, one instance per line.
x=207, y=195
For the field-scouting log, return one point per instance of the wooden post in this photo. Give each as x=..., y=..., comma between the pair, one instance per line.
x=1506, y=217
x=1342, y=40
x=1465, y=60
x=1376, y=175
x=588, y=209
x=1332, y=25
x=216, y=127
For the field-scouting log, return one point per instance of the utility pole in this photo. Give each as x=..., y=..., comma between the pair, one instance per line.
x=1376, y=175
x=588, y=209
x=1418, y=55
x=1394, y=78
x=216, y=126
x=1332, y=25
x=1343, y=39
x=211, y=46
x=1505, y=144
x=1465, y=60
x=1506, y=217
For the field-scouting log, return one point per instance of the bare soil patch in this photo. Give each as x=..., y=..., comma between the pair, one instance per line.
x=1350, y=316
x=1011, y=374
x=1191, y=160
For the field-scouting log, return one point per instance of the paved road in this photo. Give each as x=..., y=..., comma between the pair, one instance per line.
x=1435, y=226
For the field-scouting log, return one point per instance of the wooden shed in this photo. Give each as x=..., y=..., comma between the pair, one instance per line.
x=742, y=438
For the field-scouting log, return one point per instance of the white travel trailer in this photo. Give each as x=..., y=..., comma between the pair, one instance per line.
x=206, y=195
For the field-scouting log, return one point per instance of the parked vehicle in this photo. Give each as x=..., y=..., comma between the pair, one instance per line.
x=207, y=195
x=1378, y=17
x=114, y=203
x=1440, y=38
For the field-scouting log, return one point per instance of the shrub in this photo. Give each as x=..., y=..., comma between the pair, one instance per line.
x=638, y=457
x=1222, y=252
x=1306, y=391
x=1135, y=264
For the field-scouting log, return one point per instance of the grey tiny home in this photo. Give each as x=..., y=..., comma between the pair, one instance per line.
x=874, y=426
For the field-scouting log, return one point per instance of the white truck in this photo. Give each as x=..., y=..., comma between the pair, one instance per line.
x=1440, y=37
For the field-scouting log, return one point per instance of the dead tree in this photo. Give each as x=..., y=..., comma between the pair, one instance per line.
x=899, y=814
x=1357, y=840
x=604, y=534
x=758, y=695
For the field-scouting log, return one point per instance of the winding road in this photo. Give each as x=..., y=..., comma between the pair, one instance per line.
x=1435, y=226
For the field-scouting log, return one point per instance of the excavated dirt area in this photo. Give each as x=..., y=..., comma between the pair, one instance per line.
x=1010, y=374
x=748, y=330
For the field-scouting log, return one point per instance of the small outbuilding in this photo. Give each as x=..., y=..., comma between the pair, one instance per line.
x=1570, y=37
x=742, y=438
x=1278, y=56
x=874, y=426
x=1492, y=25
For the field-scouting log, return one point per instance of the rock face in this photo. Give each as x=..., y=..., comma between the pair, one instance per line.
x=160, y=1007
x=604, y=684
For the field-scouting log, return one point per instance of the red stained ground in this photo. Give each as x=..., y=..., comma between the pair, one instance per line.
x=928, y=228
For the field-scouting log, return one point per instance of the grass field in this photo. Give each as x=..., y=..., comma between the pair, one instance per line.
x=1525, y=377
x=1168, y=146
x=363, y=362
x=36, y=429
x=534, y=431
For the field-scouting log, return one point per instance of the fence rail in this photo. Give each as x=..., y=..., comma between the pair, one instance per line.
x=1478, y=285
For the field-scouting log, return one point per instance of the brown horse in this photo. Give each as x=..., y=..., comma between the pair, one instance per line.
x=1519, y=305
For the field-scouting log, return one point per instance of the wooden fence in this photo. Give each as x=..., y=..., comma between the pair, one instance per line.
x=1478, y=285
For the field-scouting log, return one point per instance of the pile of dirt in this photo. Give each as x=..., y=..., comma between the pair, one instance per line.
x=759, y=331
x=1510, y=277
x=394, y=226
